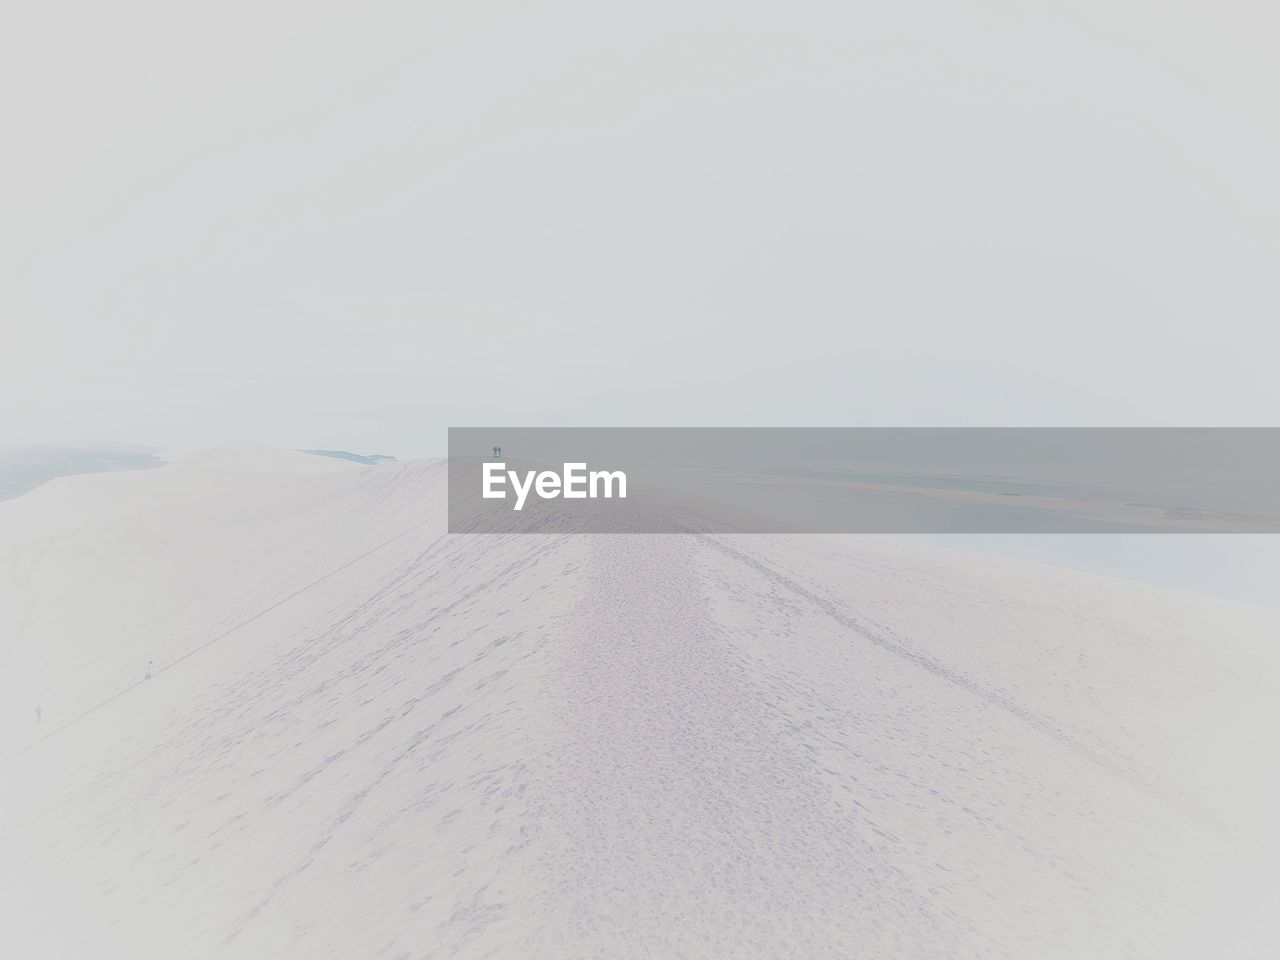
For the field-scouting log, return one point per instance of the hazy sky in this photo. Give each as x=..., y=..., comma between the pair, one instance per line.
x=352, y=224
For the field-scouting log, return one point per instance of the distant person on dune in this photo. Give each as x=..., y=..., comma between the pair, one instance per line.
x=148, y=676
x=39, y=714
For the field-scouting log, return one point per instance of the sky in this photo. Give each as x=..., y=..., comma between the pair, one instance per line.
x=351, y=225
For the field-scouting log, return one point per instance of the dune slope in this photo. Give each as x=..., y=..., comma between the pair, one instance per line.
x=364, y=737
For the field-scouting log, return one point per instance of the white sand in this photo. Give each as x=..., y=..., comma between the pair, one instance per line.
x=367, y=738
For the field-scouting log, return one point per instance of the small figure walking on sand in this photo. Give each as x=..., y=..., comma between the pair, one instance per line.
x=148, y=676
x=39, y=714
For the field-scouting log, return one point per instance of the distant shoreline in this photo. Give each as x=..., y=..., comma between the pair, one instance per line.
x=23, y=469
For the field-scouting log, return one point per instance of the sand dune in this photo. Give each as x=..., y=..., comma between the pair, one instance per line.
x=364, y=737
